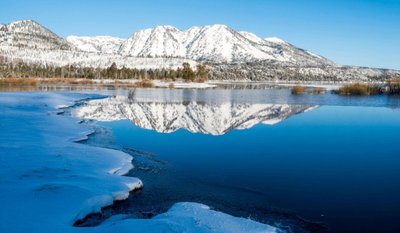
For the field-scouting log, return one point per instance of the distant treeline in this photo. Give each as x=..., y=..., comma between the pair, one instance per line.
x=23, y=70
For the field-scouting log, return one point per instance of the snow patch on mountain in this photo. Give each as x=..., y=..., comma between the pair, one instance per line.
x=275, y=40
x=243, y=54
x=252, y=37
x=60, y=58
x=30, y=34
x=96, y=44
x=212, y=43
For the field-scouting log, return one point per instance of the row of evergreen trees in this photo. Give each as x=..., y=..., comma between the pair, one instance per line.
x=23, y=70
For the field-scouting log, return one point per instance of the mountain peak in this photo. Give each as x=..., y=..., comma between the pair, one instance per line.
x=217, y=28
x=166, y=27
x=30, y=34
x=29, y=27
x=252, y=37
x=220, y=26
x=23, y=22
x=23, y=26
x=216, y=43
x=276, y=40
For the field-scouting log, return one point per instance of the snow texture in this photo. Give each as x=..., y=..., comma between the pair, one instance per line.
x=29, y=41
x=101, y=44
x=214, y=43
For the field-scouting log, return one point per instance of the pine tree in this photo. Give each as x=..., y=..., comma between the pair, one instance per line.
x=112, y=71
x=202, y=72
x=187, y=72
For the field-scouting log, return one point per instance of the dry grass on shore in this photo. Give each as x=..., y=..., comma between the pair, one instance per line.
x=171, y=86
x=298, y=90
x=358, y=89
x=19, y=81
x=318, y=90
x=393, y=86
x=144, y=83
x=36, y=81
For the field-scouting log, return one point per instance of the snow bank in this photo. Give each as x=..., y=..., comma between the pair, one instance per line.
x=184, y=85
x=47, y=175
x=189, y=218
x=163, y=84
x=47, y=181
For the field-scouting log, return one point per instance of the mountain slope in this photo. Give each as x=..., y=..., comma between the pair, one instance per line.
x=214, y=43
x=29, y=42
x=30, y=34
x=219, y=43
x=96, y=44
x=230, y=55
x=161, y=41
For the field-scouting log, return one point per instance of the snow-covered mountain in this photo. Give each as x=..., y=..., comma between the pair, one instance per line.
x=161, y=41
x=29, y=34
x=228, y=53
x=214, y=119
x=214, y=43
x=31, y=43
x=97, y=44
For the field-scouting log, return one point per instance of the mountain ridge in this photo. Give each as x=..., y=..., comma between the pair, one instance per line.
x=30, y=34
x=211, y=43
x=229, y=54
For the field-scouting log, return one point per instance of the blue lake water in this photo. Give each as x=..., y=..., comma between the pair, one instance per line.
x=336, y=164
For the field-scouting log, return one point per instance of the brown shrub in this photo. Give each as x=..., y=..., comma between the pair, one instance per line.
x=18, y=81
x=200, y=79
x=80, y=81
x=298, y=90
x=171, y=85
x=66, y=80
x=393, y=86
x=144, y=83
x=358, y=89
x=317, y=90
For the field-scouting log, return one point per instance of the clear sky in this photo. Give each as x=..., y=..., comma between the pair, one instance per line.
x=352, y=32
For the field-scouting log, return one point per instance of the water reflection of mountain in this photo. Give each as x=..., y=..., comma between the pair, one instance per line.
x=196, y=117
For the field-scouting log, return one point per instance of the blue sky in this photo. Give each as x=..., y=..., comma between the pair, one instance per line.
x=352, y=32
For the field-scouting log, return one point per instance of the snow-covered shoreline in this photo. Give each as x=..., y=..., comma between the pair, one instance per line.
x=328, y=85
x=179, y=84
x=48, y=181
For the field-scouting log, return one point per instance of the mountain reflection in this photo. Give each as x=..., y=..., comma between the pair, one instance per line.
x=194, y=116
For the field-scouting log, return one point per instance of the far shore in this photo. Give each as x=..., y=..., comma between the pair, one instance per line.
x=177, y=84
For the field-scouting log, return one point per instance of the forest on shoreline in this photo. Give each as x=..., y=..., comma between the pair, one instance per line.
x=23, y=70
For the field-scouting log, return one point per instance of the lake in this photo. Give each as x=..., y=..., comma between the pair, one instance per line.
x=317, y=163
